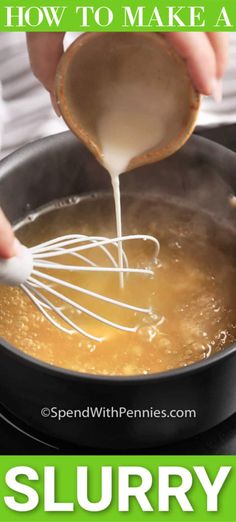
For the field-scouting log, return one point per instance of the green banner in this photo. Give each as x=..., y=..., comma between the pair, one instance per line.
x=118, y=488
x=125, y=15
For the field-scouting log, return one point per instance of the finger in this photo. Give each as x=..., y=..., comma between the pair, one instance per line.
x=45, y=51
x=220, y=44
x=199, y=54
x=8, y=242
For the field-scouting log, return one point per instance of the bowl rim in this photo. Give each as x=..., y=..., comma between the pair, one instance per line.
x=176, y=373
x=154, y=154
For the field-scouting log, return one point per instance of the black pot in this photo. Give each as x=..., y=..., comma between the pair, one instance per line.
x=202, y=173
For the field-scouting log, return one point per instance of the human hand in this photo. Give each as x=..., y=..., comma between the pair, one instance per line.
x=45, y=51
x=9, y=245
x=206, y=55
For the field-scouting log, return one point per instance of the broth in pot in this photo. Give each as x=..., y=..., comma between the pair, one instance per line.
x=191, y=293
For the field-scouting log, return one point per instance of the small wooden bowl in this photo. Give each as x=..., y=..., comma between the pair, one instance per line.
x=97, y=61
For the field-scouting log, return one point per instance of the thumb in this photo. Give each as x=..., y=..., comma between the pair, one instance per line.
x=8, y=242
x=45, y=51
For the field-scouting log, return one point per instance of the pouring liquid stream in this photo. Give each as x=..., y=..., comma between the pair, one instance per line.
x=125, y=134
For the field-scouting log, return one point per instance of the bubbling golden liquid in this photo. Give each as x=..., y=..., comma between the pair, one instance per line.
x=193, y=287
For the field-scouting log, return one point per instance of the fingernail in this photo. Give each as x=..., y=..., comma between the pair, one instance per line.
x=56, y=109
x=55, y=106
x=216, y=90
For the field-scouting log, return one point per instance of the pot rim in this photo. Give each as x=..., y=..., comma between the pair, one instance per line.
x=183, y=371
x=21, y=156
x=27, y=151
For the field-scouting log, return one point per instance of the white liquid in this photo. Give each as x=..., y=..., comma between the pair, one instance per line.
x=124, y=133
x=116, y=193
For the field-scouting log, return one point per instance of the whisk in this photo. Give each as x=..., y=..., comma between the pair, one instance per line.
x=32, y=270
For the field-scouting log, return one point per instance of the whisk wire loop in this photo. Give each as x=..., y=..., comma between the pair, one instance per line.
x=45, y=289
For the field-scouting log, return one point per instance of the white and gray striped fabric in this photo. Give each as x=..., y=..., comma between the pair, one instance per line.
x=25, y=110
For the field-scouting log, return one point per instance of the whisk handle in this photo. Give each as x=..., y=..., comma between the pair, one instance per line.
x=16, y=270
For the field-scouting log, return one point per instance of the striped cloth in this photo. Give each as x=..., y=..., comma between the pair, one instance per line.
x=25, y=110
